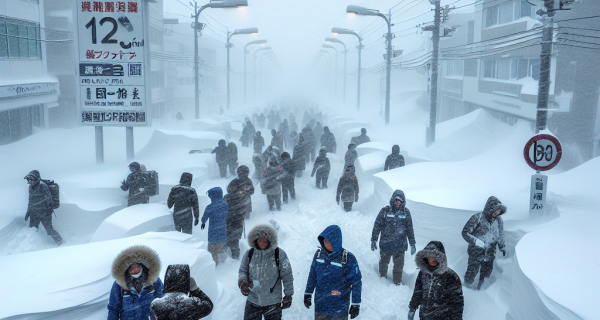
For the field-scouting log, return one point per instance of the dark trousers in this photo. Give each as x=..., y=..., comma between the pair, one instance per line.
x=348, y=206
x=34, y=222
x=288, y=186
x=223, y=169
x=254, y=312
x=183, y=223
x=322, y=181
x=477, y=264
x=234, y=234
x=321, y=316
x=398, y=259
x=274, y=202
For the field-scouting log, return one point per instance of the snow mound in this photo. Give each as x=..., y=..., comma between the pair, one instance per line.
x=133, y=221
x=370, y=164
x=369, y=147
x=167, y=143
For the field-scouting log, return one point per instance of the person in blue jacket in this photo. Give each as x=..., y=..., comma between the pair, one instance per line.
x=217, y=212
x=335, y=276
x=137, y=283
x=394, y=223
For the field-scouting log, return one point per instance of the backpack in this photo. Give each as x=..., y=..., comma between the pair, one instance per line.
x=54, y=191
x=251, y=252
x=344, y=258
x=151, y=179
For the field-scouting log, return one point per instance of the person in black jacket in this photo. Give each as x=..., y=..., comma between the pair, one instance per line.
x=347, y=189
x=322, y=168
x=221, y=158
x=328, y=140
x=270, y=185
x=438, y=290
x=287, y=177
x=350, y=155
x=277, y=140
x=300, y=156
x=135, y=183
x=182, y=299
x=311, y=143
x=247, y=133
x=185, y=200
x=363, y=138
x=394, y=160
x=240, y=191
x=259, y=142
x=40, y=206
x=232, y=157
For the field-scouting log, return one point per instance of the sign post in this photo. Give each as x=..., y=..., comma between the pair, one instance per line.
x=113, y=61
x=542, y=152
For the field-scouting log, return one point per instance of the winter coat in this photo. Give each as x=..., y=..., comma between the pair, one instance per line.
x=277, y=140
x=240, y=191
x=262, y=270
x=221, y=152
x=394, y=160
x=350, y=157
x=289, y=171
x=269, y=184
x=318, y=132
x=309, y=137
x=300, y=154
x=348, y=186
x=40, y=206
x=216, y=211
x=486, y=228
x=125, y=302
x=175, y=303
x=328, y=140
x=322, y=165
x=293, y=140
x=331, y=282
x=395, y=226
x=247, y=133
x=136, y=184
x=232, y=154
x=184, y=198
x=438, y=290
x=363, y=138
x=259, y=142
x=258, y=165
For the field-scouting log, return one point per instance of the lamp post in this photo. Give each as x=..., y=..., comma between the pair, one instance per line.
x=359, y=47
x=329, y=39
x=254, y=67
x=323, y=52
x=197, y=26
x=245, y=53
x=229, y=45
x=328, y=46
x=370, y=12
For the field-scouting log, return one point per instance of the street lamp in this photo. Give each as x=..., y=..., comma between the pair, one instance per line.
x=245, y=53
x=329, y=39
x=229, y=45
x=328, y=46
x=254, y=67
x=197, y=26
x=336, y=31
x=370, y=12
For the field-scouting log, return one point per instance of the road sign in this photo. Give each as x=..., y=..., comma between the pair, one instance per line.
x=542, y=152
x=112, y=62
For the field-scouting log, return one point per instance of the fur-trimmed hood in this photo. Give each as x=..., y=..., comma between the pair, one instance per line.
x=262, y=230
x=436, y=250
x=136, y=254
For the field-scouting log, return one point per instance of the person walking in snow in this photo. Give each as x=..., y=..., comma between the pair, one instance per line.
x=135, y=183
x=350, y=155
x=438, y=291
x=239, y=205
x=394, y=160
x=322, y=168
x=217, y=212
x=318, y=132
x=328, y=140
x=261, y=120
x=484, y=231
x=299, y=156
x=287, y=177
x=232, y=157
x=40, y=206
x=221, y=157
x=185, y=200
x=182, y=299
x=311, y=143
x=258, y=165
x=264, y=270
x=292, y=140
x=259, y=142
x=347, y=189
x=277, y=139
x=394, y=224
x=247, y=133
x=270, y=185
x=334, y=276
x=136, y=272
x=363, y=138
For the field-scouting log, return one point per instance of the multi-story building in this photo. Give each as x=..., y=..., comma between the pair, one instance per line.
x=27, y=92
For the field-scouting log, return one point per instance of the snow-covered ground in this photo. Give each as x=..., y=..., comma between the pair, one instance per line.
x=548, y=272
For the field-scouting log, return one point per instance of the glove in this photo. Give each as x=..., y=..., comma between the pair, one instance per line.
x=202, y=226
x=413, y=250
x=503, y=252
x=245, y=287
x=307, y=302
x=286, y=302
x=411, y=314
x=196, y=223
x=479, y=243
x=312, y=174
x=26, y=216
x=354, y=309
x=373, y=245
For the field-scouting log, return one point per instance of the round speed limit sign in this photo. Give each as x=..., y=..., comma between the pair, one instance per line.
x=542, y=152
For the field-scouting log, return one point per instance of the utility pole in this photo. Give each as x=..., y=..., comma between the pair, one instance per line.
x=197, y=27
x=228, y=45
x=388, y=67
x=545, y=64
x=435, y=38
x=359, y=47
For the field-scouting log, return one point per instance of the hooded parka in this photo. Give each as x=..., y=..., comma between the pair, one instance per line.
x=485, y=227
x=394, y=160
x=259, y=142
x=185, y=200
x=216, y=211
x=347, y=189
x=240, y=191
x=136, y=183
x=328, y=140
x=395, y=226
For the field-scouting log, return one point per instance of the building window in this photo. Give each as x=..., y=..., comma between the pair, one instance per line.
x=506, y=12
x=455, y=68
x=511, y=69
x=489, y=69
x=19, y=39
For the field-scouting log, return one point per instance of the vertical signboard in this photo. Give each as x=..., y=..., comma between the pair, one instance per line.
x=542, y=152
x=112, y=65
